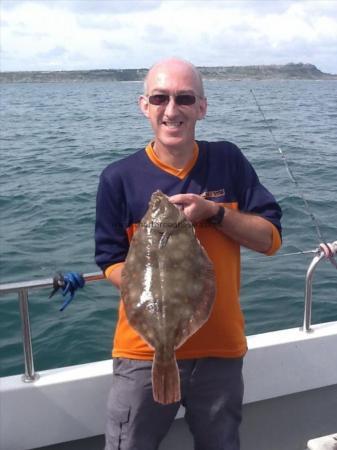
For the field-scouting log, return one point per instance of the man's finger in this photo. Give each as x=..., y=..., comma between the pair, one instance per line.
x=182, y=199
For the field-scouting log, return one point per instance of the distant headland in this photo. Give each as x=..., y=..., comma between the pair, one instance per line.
x=291, y=71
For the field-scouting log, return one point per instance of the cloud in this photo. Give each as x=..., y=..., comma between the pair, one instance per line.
x=8, y=5
x=267, y=7
x=4, y=23
x=110, y=7
x=88, y=6
x=55, y=52
x=114, y=46
x=20, y=33
x=99, y=22
x=125, y=34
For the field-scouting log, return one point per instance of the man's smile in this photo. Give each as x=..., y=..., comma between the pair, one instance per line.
x=171, y=124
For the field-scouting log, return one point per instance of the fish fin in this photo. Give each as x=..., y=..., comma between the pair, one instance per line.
x=165, y=381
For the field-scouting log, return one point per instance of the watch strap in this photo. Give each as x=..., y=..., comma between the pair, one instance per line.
x=218, y=217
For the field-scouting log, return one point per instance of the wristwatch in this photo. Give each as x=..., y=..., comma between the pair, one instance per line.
x=218, y=217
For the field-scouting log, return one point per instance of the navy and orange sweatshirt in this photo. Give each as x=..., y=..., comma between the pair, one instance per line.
x=219, y=172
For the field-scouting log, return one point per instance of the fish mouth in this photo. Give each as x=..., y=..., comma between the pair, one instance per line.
x=158, y=194
x=156, y=198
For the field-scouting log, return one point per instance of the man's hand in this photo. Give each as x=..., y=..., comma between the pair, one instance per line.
x=249, y=230
x=195, y=207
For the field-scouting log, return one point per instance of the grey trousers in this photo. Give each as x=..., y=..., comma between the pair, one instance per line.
x=212, y=392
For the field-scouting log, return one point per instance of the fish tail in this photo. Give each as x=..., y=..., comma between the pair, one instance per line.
x=165, y=380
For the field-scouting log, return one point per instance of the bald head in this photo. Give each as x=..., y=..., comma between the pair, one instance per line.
x=174, y=67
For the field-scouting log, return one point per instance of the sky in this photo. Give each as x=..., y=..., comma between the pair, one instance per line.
x=116, y=34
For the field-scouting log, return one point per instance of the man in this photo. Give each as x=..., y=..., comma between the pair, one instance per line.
x=220, y=193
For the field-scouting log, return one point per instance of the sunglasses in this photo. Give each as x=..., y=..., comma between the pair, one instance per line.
x=180, y=99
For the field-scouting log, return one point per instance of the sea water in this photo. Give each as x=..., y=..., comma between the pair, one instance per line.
x=57, y=137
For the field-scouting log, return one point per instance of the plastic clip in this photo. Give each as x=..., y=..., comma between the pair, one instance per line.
x=69, y=283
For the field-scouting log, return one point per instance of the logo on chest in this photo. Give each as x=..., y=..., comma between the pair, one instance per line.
x=214, y=194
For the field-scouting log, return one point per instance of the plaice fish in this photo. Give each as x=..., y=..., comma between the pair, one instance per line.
x=168, y=289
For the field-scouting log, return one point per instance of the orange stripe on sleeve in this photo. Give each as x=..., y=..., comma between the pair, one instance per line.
x=276, y=241
x=111, y=268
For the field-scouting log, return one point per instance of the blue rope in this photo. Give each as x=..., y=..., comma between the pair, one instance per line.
x=69, y=283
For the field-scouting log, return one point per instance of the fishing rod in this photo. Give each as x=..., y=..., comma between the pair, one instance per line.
x=325, y=247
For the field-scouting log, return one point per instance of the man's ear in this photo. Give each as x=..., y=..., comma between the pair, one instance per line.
x=143, y=103
x=202, y=108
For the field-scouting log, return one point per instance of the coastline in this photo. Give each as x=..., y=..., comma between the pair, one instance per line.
x=291, y=71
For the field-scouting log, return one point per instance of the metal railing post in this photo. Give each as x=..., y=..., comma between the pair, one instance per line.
x=308, y=285
x=22, y=289
x=308, y=292
x=30, y=374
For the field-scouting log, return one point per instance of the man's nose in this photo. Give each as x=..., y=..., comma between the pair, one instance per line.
x=171, y=107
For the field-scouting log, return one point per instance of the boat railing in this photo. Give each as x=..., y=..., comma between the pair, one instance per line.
x=23, y=288
x=324, y=251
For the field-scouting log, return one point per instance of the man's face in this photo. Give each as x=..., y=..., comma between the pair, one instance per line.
x=173, y=124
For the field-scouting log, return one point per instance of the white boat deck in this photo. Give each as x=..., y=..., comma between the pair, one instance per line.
x=323, y=443
x=290, y=398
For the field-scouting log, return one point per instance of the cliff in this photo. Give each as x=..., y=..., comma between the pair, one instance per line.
x=289, y=71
